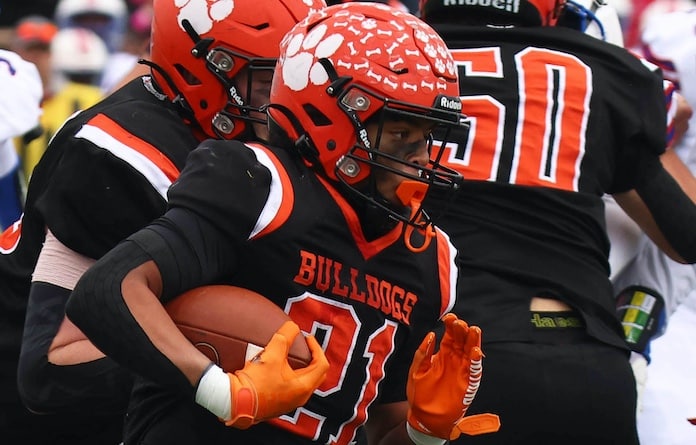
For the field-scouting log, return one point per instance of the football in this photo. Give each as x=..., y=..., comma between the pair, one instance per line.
x=231, y=325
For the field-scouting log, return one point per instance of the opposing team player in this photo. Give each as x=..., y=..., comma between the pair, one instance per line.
x=561, y=118
x=21, y=91
x=330, y=227
x=20, y=110
x=104, y=176
x=668, y=394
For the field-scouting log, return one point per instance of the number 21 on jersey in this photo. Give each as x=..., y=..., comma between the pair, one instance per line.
x=548, y=142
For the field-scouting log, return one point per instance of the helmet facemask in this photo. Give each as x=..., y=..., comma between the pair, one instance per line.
x=369, y=157
x=358, y=66
x=198, y=47
x=247, y=91
x=236, y=72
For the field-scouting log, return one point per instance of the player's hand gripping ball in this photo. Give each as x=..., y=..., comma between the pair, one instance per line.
x=232, y=325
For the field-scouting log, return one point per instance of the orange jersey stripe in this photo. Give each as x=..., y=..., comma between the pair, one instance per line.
x=144, y=148
x=367, y=248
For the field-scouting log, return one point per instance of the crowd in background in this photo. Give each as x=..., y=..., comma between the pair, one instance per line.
x=82, y=49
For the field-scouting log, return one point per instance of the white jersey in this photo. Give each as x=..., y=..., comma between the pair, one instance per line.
x=669, y=41
x=669, y=396
x=20, y=95
x=20, y=104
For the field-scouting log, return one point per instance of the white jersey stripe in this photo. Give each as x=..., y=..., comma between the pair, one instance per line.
x=275, y=197
x=454, y=274
x=150, y=170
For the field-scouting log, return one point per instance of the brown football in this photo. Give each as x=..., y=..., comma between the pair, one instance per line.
x=231, y=325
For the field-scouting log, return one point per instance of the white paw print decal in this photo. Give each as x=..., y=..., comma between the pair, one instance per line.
x=300, y=66
x=397, y=55
x=203, y=13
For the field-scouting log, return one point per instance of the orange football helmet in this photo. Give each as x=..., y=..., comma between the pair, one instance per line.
x=357, y=62
x=199, y=46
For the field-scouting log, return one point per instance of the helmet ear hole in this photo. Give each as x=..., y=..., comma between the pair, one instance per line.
x=318, y=118
x=187, y=75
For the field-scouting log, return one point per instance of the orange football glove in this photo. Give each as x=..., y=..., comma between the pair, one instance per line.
x=442, y=386
x=267, y=386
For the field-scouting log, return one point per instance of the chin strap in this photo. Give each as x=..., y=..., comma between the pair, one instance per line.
x=179, y=99
x=428, y=234
x=411, y=194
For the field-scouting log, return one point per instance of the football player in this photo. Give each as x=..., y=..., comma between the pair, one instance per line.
x=561, y=118
x=647, y=281
x=329, y=226
x=20, y=110
x=104, y=175
x=667, y=39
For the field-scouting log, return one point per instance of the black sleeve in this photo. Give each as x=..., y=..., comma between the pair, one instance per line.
x=671, y=208
x=93, y=200
x=224, y=183
x=188, y=250
x=99, y=386
x=97, y=307
x=393, y=388
x=214, y=206
x=642, y=124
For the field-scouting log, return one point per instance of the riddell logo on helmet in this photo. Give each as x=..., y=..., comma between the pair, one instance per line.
x=450, y=103
x=235, y=96
x=363, y=138
x=505, y=5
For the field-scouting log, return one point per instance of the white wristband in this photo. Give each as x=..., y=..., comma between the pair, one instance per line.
x=213, y=392
x=422, y=439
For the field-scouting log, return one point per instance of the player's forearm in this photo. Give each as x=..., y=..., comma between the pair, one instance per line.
x=665, y=207
x=46, y=385
x=128, y=323
x=57, y=270
x=154, y=320
x=387, y=426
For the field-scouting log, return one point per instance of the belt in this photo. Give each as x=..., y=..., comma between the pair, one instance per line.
x=556, y=320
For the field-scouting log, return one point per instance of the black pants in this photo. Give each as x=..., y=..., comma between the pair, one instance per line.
x=19, y=427
x=564, y=388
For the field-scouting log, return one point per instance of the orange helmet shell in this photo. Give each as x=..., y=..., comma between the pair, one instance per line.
x=387, y=54
x=252, y=28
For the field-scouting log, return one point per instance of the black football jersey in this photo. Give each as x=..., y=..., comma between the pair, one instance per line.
x=104, y=175
x=558, y=119
x=265, y=223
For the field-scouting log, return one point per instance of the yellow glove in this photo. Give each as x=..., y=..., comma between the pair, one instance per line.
x=442, y=386
x=267, y=386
